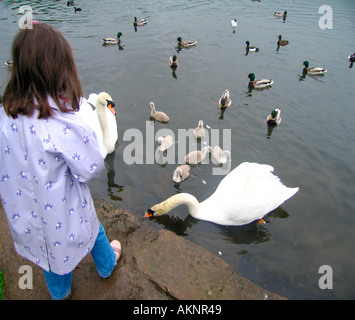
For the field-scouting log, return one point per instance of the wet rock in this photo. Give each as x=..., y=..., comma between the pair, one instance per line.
x=155, y=265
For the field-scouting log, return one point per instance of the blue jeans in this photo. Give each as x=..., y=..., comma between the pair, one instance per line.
x=104, y=257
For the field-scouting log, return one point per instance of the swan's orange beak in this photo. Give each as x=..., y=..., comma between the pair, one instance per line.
x=111, y=106
x=149, y=213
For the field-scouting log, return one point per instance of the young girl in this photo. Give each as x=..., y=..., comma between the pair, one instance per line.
x=48, y=155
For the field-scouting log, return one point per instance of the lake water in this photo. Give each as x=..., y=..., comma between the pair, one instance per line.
x=313, y=148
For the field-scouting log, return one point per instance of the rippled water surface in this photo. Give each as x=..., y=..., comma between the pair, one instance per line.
x=313, y=148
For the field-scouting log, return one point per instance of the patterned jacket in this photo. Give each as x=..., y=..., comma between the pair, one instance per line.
x=45, y=166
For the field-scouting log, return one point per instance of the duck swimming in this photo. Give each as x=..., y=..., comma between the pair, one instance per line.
x=234, y=23
x=113, y=40
x=274, y=118
x=186, y=44
x=225, y=101
x=314, y=71
x=259, y=83
x=173, y=61
x=140, y=22
x=247, y=193
x=281, y=15
x=281, y=42
x=251, y=48
x=351, y=59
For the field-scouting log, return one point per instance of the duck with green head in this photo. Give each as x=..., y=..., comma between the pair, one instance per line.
x=314, y=71
x=225, y=101
x=258, y=83
x=173, y=62
x=113, y=40
x=274, y=118
x=186, y=44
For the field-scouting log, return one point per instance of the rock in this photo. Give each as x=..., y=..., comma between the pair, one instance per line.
x=154, y=265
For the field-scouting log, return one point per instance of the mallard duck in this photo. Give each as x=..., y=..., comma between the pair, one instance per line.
x=274, y=118
x=181, y=173
x=259, y=83
x=197, y=156
x=113, y=40
x=199, y=131
x=315, y=71
x=186, y=44
x=76, y=9
x=158, y=115
x=219, y=155
x=99, y=114
x=351, y=60
x=140, y=22
x=246, y=194
x=173, y=61
x=225, y=101
x=165, y=142
x=280, y=14
x=251, y=48
x=70, y=3
x=281, y=42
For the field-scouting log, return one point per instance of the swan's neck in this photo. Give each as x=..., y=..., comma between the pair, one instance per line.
x=152, y=106
x=178, y=199
x=101, y=112
x=204, y=152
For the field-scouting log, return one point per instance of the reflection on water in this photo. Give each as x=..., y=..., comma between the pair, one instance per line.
x=307, y=149
x=113, y=189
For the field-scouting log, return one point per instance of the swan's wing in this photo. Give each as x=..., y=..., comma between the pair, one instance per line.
x=248, y=193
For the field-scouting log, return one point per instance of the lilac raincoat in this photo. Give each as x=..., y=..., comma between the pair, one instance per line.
x=45, y=166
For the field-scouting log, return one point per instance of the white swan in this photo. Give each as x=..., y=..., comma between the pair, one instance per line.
x=181, y=173
x=165, y=142
x=196, y=156
x=199, y=131
x=221, y=156
x=246, y=194
x=99, y=114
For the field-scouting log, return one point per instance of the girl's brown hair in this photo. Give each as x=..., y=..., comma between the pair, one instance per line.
x=43, y=64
